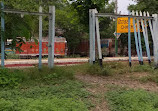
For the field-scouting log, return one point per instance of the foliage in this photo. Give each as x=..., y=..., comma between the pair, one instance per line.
x=146, y=5
x=107, y=25
x=14, y=78
x=12, y=56
x=132, y=100
x=83, y=6
x=68, y=95
x=46, y=89
x=9, y=78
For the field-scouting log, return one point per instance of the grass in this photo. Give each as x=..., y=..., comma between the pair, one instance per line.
x=110, y=68
x=57, y=89
x=132, y=100
x=42, y=90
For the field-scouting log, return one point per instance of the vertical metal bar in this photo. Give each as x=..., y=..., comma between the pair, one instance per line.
x=136, y=38
x=129, y=41
x=155, y=32
x=93, y=33
x=153, y=38
x=40, y=39
x=98, y=41
x=53, y=36
x=139, y=39
x=145, y=38
x=50, y=40
x=90, y=38
x=116, y=40
x=2, y=35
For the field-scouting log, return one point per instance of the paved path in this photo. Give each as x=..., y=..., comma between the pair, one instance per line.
x=61, y=61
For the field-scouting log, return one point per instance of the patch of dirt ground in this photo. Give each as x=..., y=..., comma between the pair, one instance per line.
x=99, y=86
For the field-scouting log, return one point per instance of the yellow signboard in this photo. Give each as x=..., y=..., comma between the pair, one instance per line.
x=122, y=25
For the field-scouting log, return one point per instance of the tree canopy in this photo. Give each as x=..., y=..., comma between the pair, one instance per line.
x=146, y=5
x=72, y=17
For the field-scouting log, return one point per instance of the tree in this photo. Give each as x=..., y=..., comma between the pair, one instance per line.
x=27, y=26
x=83, y=6
x=145, y=5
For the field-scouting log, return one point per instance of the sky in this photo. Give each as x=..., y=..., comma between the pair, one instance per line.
x=123, y=5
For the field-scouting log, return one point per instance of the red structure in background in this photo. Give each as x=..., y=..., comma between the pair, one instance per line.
x=31, y=48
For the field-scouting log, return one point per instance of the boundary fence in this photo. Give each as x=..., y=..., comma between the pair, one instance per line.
x=142, y=18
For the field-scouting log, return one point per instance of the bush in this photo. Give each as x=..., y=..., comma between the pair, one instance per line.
x=132, y=100
x=9, y=78
x=12, y=56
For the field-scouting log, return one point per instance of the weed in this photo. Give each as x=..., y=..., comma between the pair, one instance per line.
x=9, y=78
x=142, y=68
x=97, y=70
x=132, y=100
x=69, y=95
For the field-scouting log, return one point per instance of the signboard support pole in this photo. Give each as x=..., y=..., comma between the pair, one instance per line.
x=129, y=42
x=98, y=41
x=2, y=35
x=155, y=39
x=40, y=39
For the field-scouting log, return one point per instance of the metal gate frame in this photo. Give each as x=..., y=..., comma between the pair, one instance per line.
x=51, y=16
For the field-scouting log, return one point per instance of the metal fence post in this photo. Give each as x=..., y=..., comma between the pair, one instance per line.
x=139, y=39
x=98, y=40
x=129, y=41
x=90, y=37
x=51, y=37
x=40, y=39
x=136, y=38
x=2, y=35
x=155, y=32
x=93, y=33
x=145, y=38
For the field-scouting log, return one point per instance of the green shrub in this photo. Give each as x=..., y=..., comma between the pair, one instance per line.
x=12, y=56
x=9, y=78
x=132, y=100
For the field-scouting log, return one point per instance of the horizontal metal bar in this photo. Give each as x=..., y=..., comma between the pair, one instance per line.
x=26, y=13
x=117, y=16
